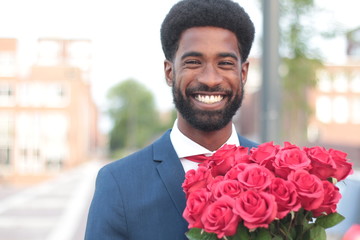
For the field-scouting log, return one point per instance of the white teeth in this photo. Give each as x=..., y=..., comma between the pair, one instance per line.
x=209, y=99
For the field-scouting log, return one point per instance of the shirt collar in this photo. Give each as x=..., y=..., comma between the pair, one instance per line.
x=185, y=147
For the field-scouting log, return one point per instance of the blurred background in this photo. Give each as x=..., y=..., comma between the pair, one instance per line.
x=82, y=84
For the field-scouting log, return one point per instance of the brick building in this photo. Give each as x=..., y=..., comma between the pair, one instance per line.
x=48, y=120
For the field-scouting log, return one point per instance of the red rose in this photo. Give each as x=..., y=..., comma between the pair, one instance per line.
x=242, y=155
x=214, y=182
x=195, y=205
x=257, y=209
x=322, y=164
x=219, y=217
x=309, y=188
x=231, y=188
x=255, y=177
x=343, y=167
x=196, y=179
x=265, y=154
x=226, y=157
x=331, y=199
x=235, y=170
x=286, y=196
x=290, y=158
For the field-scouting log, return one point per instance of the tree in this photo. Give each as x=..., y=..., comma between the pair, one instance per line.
x=134, y=116
x=299, y=64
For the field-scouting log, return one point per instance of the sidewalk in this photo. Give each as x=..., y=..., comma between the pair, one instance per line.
x=53, y=210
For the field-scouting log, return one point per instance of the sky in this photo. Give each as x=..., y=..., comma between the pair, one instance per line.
x=126, y=35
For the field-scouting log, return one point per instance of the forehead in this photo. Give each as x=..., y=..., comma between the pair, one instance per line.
x=208, y=40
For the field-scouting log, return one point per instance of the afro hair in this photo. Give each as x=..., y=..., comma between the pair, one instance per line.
x=200, y=13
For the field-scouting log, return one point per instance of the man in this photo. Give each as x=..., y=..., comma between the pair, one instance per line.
x=206, y=44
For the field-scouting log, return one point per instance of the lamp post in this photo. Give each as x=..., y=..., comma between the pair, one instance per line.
x=270, y=90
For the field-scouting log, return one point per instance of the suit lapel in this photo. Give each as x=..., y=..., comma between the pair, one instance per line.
x=170, y=170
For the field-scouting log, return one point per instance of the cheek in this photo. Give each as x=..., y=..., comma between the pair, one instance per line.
x=238, y=87
x=236, y=80
x=184, y=80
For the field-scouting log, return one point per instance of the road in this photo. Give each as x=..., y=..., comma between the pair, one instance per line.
x=53, y=210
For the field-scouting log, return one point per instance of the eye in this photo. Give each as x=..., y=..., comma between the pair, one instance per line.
x=192, y=62
x=226, y=63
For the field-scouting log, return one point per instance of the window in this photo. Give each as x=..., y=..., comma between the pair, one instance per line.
x=49, y=53
x=356, y=110
x=42, y=141
x=324, y=83
x=30, y=94
x=56, y=95
x=6, y=95
x=323, y=109
x=340, y=109
x=341, y=82
x=22, y=94
x=42, y=94
x=56, y=148
x=5, y=155
x=7, y=64
x=6, y=128
x=355, y=83
x=79, y=54
x=55, y=119
x=6, y=138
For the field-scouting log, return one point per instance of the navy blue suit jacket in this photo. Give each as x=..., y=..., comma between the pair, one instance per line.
x=140, y=196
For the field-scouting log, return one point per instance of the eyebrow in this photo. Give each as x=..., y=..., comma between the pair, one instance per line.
x=191, y=54
x=198, y=54
x=231, y=55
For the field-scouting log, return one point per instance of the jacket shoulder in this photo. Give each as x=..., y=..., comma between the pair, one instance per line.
x=247, y=143
x=143, y=156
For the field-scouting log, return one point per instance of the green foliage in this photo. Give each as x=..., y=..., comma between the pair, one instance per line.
x=133, y=114
x=328, y=221
x=198, y=234
x=242, y=233
x=299, y=64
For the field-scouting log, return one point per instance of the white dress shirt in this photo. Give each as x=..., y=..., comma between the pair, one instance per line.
x=185, y=147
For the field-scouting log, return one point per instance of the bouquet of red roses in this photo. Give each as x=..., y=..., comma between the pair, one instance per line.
x=269, y=192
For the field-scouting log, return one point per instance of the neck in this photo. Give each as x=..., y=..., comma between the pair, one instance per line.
x=212, y=140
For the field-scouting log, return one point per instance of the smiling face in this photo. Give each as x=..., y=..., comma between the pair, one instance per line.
x=207, y=78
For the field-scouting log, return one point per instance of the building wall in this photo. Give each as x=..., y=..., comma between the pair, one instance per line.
x=336, y=102
x=48, y=120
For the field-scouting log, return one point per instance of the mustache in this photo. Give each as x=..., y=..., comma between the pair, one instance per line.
x=206, y=88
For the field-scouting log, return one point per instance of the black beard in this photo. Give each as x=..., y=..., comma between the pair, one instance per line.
x=206, y=120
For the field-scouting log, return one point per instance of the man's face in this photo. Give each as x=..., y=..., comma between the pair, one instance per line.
x=207, y=77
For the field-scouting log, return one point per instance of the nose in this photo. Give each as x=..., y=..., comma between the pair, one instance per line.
x=210, y=76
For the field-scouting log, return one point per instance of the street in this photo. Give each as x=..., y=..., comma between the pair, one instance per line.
x=53, y=210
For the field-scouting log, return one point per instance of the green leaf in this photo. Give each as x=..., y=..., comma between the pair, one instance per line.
x=316, y=233
x=277, y=238
x=330, y=220
x=293, y=233
x=307, y=225
x=199, y=234
x=262, y=234
x=284, y=230
x=241, y=234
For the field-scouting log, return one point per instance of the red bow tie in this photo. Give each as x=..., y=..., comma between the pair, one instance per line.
x=198, y=158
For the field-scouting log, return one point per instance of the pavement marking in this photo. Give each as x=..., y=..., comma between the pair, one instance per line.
x=27, y=222
x=69, y=221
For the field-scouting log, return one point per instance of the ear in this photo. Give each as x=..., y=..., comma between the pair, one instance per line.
x=168, y=69
x=244, y=71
